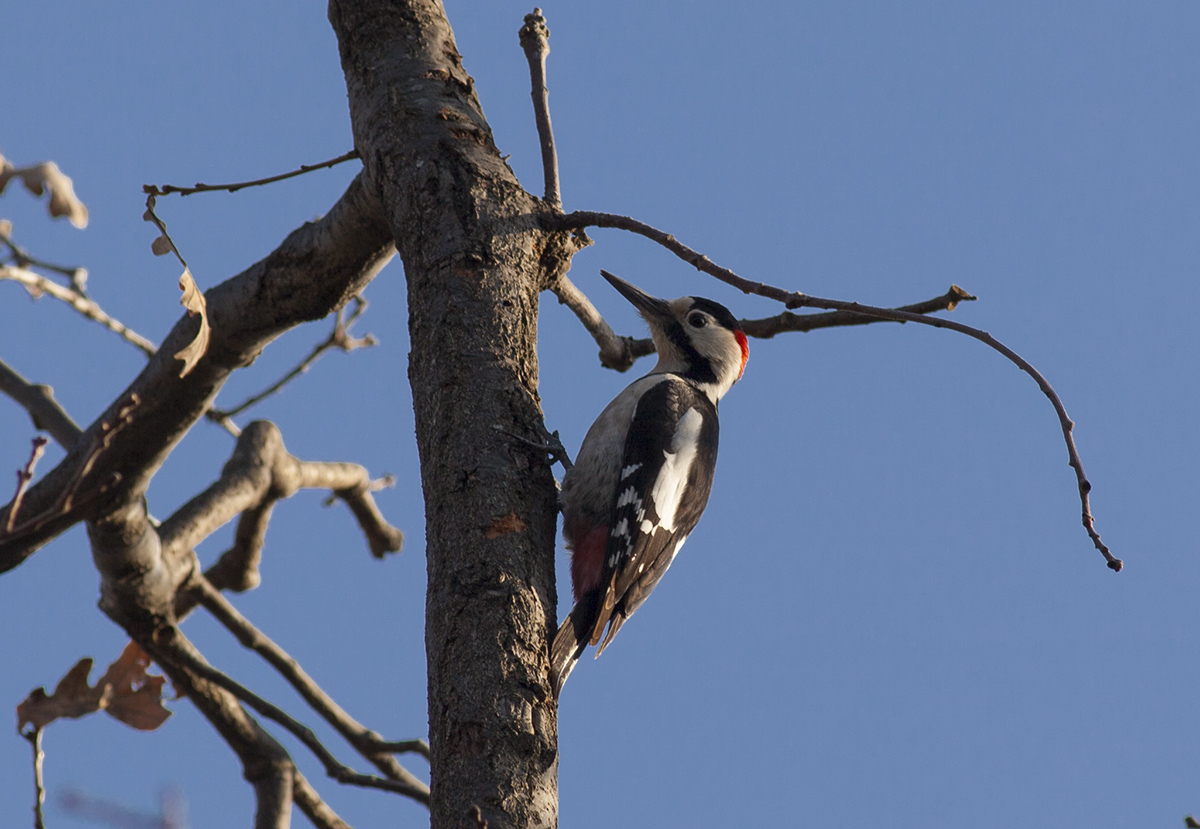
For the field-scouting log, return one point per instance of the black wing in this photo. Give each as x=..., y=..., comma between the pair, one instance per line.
x=666, y=476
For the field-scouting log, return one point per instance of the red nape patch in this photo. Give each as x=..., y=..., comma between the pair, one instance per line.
x=741, y=339
x=587, y=560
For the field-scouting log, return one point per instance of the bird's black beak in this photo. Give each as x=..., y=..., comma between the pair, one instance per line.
x=655, y=310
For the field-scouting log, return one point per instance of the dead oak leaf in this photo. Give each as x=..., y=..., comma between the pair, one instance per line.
x=46, y=176
x=125, y=691
x=162, y=244
x=193, y=301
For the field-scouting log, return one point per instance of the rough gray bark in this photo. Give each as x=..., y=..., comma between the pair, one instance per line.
x=475, y=261
x=476, y=257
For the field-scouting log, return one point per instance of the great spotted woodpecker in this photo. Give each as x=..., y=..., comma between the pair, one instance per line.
x=644, y=472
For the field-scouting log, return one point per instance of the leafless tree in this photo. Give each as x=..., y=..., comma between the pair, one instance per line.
x=478, y=252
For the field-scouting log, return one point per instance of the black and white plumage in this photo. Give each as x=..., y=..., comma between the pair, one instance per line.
x=645, y=470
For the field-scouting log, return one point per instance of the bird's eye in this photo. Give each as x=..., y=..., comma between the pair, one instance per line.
x=698, y=320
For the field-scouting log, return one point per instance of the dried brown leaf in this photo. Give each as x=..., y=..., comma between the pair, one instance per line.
x=161, y=246
x=73, y=698
x=193, y=300
x=136, y=696
x=7, y=171
x=43, y=177
x=126, y=691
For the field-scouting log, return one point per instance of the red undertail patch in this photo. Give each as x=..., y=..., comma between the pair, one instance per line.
x=587, y=560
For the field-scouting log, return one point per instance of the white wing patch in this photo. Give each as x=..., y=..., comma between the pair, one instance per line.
x=622, y=528
x=629, y=470
x=672, y=478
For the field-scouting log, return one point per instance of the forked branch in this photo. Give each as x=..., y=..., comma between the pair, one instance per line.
x=259, y=473
x=368, y=743
x=24, y=476
x=36, y=285
x=339, y=338
x=795, y=299
x=191, y=661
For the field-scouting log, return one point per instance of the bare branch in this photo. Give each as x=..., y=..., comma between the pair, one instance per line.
x=259, y=473
x=340, y=338
x=535, y=40
x=167, y=189
x=316, y=270
x=24, y=476
x=616, y=352
x=266, y=765
x=406, y=747
x=236, y=569
x=39, y=401
x=101, y=439
x=314, y=808
x=382, y=537
x=164, y=243
x=368, y=743
x=794, y=299
x=37, y=285
x=620, y=352
x=333, y=767
x=34, y=737
x=23, y=259
x=765, y=329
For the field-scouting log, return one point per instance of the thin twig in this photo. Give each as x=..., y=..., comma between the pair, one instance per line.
x=794, y=299
x=406, y=747
x=333, y=767
x=167, y=189
x=192, y=298
x=24, y=476
x=65, y=501
x=367, y=742
x=535, y=40
x=37, y=285
x=621, y=352
x=34, y=737
x=766, y=328
x=39, y=401
x=164, y=242
x=23, y=259
x=339, y=338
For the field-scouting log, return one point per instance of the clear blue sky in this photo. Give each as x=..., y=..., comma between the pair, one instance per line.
x=890, y=614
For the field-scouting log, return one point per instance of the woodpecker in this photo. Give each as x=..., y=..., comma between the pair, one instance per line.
x=644, y=472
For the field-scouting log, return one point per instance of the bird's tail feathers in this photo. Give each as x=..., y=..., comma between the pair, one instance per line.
x=571, y=639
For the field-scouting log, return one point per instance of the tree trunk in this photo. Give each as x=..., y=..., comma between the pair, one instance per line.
x=475, y=262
